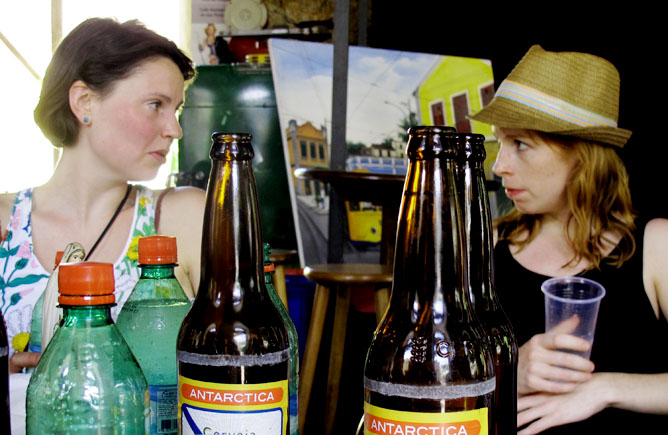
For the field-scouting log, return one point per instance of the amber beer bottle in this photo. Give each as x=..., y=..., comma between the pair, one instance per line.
x=480, y=266
x=233, y=348
x=429, y=367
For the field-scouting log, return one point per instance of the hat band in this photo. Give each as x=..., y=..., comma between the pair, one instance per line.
x=550, y=105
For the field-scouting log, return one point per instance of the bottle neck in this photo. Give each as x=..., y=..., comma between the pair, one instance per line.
x=85, y=316
x=232, y=260
x=156, y=271
x=478, y=229
x=268, y=278
x=429, y=254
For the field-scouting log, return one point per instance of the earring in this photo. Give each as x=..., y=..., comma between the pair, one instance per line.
x=85, y=120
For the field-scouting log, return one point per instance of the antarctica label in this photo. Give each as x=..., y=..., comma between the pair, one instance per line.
x=380, y=421
x=217, y=409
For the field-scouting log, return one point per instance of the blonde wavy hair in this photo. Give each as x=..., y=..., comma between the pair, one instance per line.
x=599, y=201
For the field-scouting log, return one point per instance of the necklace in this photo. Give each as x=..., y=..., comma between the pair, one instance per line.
x=111, y=221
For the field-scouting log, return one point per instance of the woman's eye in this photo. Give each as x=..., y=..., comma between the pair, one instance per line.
x=155, y=105
x=521, y=145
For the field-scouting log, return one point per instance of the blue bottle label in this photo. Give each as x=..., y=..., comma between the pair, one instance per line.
x=164, y=409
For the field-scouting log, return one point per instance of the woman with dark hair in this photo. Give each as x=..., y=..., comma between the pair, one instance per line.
x=109, y=99
x=555, y=117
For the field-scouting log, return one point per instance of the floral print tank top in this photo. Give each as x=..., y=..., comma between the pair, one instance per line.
x=23, y=278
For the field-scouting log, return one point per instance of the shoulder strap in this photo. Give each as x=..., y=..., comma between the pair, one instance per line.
x=22, y=204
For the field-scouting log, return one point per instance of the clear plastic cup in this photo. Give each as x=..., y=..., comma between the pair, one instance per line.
x=573, y=296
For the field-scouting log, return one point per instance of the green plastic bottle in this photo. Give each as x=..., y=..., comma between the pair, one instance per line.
x=87, y=380
x=293, y=382
x=150, y=321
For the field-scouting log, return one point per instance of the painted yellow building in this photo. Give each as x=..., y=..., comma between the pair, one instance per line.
x=311, y=152
x=454, y=88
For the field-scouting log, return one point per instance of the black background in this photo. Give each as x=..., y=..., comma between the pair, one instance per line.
x=629, y=37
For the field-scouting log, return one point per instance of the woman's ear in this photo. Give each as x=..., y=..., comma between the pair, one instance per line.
x=81, y=97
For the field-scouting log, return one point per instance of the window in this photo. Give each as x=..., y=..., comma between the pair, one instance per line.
x=460, y=107
x=486, y=94
x=321, y=150
x=437, y=111
x=313, y=151
x=304, y=149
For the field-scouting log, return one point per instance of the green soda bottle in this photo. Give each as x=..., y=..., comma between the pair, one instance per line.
x=87, y=380
x=150, y=321
x=293, y=381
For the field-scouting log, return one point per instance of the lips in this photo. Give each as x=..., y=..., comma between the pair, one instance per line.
x=160, y=156
x=511, y=193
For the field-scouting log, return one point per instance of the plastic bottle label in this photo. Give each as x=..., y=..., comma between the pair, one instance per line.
x=381, y=421
x=164, y=408
x=249, y=409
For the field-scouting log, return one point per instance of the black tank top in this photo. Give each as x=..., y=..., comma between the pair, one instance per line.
x=628, y=338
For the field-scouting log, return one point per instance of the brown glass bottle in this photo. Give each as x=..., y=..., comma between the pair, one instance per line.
x=479, y=241
x=429, y=354
x=233, y=345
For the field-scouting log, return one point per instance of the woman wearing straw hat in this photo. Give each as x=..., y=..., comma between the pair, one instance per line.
x=555, y=117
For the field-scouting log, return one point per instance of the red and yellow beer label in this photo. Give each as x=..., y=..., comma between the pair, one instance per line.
x=381, y=421
x=206, y=407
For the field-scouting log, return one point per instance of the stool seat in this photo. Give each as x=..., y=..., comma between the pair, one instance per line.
x=356, y=273
x=283, y=256
x=343, y=279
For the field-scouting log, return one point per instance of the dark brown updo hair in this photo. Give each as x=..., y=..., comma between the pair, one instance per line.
x=99, y=52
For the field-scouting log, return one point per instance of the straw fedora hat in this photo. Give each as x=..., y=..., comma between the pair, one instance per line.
x=565, y=93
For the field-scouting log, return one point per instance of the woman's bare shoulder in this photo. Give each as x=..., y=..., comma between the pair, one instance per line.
x=655, y=256
x=180, y=206
x=656, y=233
x=182, y=196
x=182, y=216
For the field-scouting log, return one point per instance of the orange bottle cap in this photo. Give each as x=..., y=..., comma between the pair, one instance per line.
x=269, y=267
x=86, y=283
x=59, y=257
x=157, y=250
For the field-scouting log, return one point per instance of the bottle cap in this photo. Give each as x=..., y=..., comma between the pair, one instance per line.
x=86, y=283
x=59, y=257
x=157, y=250
x=269, y=267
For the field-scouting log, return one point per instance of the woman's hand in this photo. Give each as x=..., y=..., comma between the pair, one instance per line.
x=543, y=367
x=544, y=410
x=21, y=360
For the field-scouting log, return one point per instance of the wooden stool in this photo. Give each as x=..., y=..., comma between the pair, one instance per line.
x=344, y=278
x=281, y=257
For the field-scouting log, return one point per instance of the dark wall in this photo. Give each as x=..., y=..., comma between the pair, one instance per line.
x=629, y=38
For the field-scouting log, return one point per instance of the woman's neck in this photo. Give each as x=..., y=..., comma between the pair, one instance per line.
x=87, y=190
